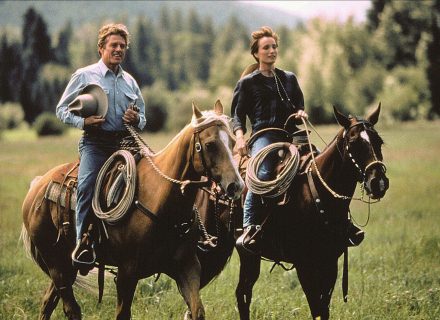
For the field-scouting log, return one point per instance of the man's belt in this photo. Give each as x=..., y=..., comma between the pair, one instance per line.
x=105, y=135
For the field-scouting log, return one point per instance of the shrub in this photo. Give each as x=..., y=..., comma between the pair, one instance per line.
x=48, y=124
x=158, y=100
x=11, y=115
x=156, y=118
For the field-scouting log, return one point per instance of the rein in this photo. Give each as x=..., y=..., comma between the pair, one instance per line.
x=210, y=241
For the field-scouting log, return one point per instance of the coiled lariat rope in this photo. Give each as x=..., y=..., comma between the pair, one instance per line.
x=277, y=186
x=123, y=201
x=128, y=173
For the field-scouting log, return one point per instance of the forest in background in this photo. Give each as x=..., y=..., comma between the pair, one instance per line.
x=182, y=56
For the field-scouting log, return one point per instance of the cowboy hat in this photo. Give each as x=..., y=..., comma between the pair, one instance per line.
x=92, y=100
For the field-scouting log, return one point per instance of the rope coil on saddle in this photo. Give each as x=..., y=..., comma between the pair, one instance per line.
x=277, y=186
x=128, y=173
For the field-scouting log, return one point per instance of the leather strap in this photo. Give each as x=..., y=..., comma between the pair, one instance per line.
x=64, y=215
x=345, y=276
x=316, y=199
x=147, y=212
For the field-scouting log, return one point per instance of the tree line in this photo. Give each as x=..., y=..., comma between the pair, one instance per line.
x=393, y=57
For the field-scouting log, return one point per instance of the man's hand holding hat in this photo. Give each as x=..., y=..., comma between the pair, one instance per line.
x=93, y=121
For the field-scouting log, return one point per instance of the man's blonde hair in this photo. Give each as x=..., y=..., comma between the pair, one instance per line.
x=110, y=29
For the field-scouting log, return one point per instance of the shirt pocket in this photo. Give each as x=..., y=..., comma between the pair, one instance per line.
x=131, y=97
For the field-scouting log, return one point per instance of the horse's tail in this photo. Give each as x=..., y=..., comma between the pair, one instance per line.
x=29, y=248
x=88, y=283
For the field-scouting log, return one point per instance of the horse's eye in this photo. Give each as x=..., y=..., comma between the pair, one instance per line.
x=210, y=146
x=355, y=144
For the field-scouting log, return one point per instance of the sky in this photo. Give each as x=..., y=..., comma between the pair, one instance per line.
x=330, y=9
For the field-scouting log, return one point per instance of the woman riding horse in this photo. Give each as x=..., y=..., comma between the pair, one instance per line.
x=311, y=230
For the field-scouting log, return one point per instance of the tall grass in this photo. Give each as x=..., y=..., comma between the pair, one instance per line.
x=394, y=274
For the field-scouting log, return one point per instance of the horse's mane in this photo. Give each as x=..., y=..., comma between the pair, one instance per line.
x=211, y=116
x=208, y=117
x=334, y=140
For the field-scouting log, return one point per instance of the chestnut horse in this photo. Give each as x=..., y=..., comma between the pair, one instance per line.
x=310, y=231
x=146, y=241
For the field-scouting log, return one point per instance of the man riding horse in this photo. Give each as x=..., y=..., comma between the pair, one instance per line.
x=99, y=99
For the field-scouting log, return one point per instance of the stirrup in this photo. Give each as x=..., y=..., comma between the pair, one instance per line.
x=248, y=240
x=80, y=253
x=355, y=236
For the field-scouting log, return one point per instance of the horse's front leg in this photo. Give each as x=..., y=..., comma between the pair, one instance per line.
x=318, y=281
x=50, y=302
x=125, y=285
x=249, y=273
x=188, y=281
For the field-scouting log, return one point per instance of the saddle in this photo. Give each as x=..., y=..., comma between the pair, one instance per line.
x=61, y=190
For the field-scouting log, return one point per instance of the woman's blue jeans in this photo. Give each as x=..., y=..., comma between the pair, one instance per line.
x=93, y=154
x=253, y=204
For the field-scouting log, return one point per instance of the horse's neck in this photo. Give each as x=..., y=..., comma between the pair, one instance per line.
x=156, y=190
x=339, y=175
x=174, y=159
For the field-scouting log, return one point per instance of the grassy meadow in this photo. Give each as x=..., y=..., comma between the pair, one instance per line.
x=394, y=274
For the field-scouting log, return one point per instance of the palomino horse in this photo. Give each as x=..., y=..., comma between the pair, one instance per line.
x=310, y=231
x=144, y=243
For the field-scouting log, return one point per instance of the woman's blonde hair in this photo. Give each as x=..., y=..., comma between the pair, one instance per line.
x=257, y=35
x=110, y=29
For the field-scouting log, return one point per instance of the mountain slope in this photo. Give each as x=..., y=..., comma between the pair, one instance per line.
x=57, y=13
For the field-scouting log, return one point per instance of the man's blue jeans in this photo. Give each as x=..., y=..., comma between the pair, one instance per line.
x=252, y=203
x=94, y=153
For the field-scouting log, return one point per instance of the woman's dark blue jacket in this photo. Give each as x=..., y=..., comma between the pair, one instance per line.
x=257, y=97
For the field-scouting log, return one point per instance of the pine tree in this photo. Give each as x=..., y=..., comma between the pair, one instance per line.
x=433, y=54
x=5, y=92
x=37, y=51
x=62, y=55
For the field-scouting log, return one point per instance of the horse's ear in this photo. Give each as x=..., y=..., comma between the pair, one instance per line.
x=218, y=107
x=196, y=112
x=342, y=119
x=373, y=117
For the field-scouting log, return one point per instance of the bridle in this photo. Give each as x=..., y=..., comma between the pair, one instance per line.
x=362, y=176
x=196, y=148
x=362, y=173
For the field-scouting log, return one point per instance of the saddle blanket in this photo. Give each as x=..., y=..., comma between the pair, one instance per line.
x=54, y=192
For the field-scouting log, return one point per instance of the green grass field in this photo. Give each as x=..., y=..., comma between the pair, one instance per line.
x=394, y=274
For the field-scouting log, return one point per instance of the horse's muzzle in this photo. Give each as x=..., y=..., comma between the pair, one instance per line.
x=377, y=183
x=234, y=190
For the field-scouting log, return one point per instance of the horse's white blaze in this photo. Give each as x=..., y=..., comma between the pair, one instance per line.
x=364, y=135
x=382, y=185
x=225, y=137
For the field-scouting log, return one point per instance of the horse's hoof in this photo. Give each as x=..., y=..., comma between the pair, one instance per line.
x=187, y=315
